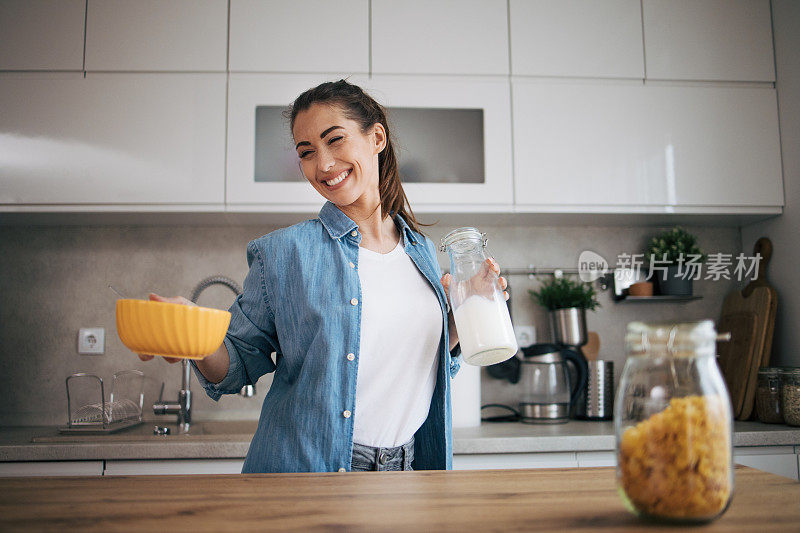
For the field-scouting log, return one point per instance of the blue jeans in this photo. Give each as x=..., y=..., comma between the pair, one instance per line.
x=367, y=458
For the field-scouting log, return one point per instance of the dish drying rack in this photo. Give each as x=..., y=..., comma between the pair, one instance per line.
x=105, y=417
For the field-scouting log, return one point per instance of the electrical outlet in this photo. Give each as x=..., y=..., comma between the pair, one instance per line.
x=91, y=340
x=526, y=335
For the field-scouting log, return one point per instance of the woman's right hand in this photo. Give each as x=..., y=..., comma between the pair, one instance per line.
x=175, y=300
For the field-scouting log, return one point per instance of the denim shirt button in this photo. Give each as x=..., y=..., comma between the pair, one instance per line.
x=354, y=301
x=346, y=414
x=351, y=356
x=382, y=458
x=354, y=233
x=342, y=470
x=352, y=265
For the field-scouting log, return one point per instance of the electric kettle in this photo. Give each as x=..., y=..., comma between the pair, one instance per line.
x=549, y=392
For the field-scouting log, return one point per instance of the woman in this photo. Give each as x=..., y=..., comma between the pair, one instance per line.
x=352, y=303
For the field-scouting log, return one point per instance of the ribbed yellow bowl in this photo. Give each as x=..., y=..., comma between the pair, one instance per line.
x=171, y=330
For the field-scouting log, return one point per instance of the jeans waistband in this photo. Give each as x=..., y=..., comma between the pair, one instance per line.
x=372, y=458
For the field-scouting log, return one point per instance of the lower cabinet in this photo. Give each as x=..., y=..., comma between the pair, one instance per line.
x=780, y=460
x=174, y=466
x=51, y=468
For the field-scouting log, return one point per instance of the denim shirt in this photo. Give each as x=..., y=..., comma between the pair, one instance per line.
x=302, y=300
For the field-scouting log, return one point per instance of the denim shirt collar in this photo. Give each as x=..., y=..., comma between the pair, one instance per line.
x=338, y=224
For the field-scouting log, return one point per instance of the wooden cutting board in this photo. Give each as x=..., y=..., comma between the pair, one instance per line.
x=749, y=316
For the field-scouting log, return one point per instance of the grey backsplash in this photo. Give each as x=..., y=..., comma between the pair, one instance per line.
x=54, y=280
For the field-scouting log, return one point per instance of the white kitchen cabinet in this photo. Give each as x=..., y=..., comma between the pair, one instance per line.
x=708, y=40
x=42, y=34
x=51, y=468
x=577, y=38
x=780, y=460
x=442, y=37
x=281, y=185
x=112, y=139
x=720, y=145
x=585, y=144
x=299, y=36
x=156, y=35
x=173, y=466
x=490, y=461
x=596, y=459
x=627, y=146
x=266, y=173
x=490, y=96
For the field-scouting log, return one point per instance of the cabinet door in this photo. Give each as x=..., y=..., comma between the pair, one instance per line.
x=583, y=38
x=299, y=36
x=174, y=466
x=708, y=40
x=442, y=37
x=451, y=147
x=41, y=34
x=112, y=139
x=627, y=147
x=721, y=145
x=585, y=144
x=51, y=468
x=156, y=35
x=490, y=461
x=262, y=162
x=780, y=460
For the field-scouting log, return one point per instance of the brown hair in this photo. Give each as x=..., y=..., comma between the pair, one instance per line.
x=364, y=110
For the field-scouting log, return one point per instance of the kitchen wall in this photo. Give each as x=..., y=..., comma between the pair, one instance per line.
x=782, y=230
x=53, y=280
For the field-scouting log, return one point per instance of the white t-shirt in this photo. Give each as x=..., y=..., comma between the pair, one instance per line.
x=401, y=325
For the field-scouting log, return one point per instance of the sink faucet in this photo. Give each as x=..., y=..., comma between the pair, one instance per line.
x=183, y=407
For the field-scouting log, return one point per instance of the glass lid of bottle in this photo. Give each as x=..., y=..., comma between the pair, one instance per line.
x=462, y=234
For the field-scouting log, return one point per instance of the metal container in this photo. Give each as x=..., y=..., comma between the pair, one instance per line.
x=569, y=326
x=599, y=398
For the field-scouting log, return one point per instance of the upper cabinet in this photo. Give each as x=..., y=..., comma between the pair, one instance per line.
x=577, y=38
x=452, y=139
x=633, y=146
x=708, y=40
x=299, y=36
x=156, y=35
x=112, y=138
x=41, y=34
x=443, y=37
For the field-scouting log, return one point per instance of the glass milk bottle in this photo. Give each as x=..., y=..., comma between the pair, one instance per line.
x=479, y=306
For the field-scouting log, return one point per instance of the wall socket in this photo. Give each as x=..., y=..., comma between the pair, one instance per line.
x=91, y=341
x=526, y=335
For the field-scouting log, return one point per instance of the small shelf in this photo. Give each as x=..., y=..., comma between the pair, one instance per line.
x=658, y=298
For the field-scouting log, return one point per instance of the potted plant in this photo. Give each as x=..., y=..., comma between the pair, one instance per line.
x=677, y=250
x=567, y=301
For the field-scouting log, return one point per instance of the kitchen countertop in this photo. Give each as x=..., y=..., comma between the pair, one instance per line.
x=231, y=439
x=479, y=500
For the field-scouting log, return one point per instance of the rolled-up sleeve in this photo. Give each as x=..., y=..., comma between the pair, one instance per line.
x=251, y=336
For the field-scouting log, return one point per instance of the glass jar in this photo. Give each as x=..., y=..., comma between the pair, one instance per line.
x=768, y=395
x=790, y=395
x=674, y=424
x=479, y=306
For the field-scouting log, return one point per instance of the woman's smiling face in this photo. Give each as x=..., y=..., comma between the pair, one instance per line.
x=339, y=161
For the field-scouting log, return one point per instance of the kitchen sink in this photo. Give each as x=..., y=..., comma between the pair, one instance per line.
x=202, y=431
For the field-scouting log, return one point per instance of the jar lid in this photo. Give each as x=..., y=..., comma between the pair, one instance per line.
x=769, y=371
x=459, y=234
x=687, y=339
x=790, y=371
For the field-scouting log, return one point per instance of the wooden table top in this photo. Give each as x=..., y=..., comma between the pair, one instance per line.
x=478, y=500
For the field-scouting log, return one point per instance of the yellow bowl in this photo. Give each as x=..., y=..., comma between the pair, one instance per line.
x=171, y=330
